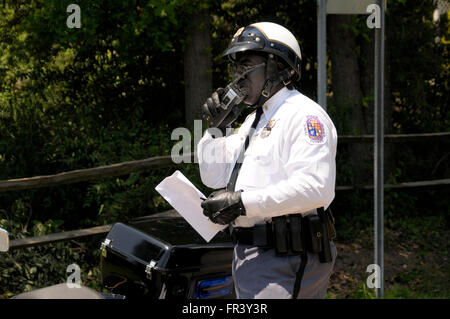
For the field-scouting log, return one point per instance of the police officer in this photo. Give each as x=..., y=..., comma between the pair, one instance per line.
x=276, y=174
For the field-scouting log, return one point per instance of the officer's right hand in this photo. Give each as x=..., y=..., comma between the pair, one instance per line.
x=223, y=206
x=212, y=109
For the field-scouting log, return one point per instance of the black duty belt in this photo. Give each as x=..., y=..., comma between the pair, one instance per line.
x=291, y=234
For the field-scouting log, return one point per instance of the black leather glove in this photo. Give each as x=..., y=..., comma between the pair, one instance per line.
x=213, y=110
x=222, y=207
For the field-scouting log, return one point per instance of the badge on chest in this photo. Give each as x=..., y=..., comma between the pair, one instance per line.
x=267, y=129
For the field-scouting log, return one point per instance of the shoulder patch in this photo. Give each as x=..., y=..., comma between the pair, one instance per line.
x=314, y=130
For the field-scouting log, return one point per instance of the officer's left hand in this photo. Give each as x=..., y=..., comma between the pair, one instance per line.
x=222, y=207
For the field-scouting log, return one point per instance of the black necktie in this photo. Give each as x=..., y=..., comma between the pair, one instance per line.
x=237, y=166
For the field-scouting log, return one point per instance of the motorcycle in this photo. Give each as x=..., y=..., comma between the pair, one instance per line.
x=153, y=257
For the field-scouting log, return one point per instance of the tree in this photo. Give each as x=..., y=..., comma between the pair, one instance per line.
x=197, y=66
x=346, y=87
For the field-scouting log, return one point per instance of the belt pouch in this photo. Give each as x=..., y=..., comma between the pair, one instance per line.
x=261, y=236
x=315, y=233
x=280, y=229
x=325, y=254
x=295, y=225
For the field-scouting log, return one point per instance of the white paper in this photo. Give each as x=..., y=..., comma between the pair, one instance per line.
x=187, y=199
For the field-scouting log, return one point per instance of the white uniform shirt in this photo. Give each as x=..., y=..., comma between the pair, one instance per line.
x=289, y=166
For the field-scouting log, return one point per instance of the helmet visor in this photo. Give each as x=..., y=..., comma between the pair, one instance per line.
x=240, y=47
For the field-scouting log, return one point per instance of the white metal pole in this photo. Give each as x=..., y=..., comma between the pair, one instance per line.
x=321, y=53
x=379, y=148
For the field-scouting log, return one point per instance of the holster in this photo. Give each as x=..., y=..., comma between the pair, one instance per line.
x=321, y=231
x=314, y=235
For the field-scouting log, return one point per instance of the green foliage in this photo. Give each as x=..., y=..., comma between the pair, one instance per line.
x=394, y=292
x=364, y=293
x=419, y=67
x=401, y=292
x=31, y=268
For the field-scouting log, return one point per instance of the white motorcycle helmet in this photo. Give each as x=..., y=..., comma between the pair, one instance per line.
x=271, y=38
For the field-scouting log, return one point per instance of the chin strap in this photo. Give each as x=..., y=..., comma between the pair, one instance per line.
x=273, y=79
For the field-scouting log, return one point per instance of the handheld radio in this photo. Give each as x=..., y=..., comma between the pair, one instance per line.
x=230, y=99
